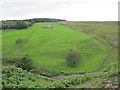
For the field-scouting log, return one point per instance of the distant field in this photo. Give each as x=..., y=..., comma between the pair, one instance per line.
x=102, y=31
x=48, y=47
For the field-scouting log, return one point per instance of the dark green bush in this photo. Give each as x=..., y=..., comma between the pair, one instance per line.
x=73, y=58
x=24, y=62
x=21, y=25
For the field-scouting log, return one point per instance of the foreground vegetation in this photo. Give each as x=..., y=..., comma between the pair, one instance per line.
x=107, y=77
x=13, y=77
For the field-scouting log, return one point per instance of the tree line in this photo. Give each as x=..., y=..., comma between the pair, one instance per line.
x=23, y=24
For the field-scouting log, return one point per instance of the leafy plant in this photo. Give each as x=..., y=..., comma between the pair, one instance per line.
x=13, y=77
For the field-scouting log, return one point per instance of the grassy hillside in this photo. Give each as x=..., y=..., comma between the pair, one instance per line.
x=48, y=47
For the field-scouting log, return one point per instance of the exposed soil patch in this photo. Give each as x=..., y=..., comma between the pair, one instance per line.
x=59, y=77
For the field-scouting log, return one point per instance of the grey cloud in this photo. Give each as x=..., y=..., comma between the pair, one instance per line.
x=73, y=9
x=22, y=8
x=19, y=9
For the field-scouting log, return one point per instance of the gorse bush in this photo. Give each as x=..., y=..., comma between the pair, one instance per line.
x=73, y=58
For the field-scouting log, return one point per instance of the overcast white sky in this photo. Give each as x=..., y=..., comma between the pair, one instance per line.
x=71, y=10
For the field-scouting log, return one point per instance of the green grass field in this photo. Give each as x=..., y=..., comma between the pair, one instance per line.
x=48, y=47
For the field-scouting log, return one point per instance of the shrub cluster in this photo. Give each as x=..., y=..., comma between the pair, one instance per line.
x=24, y=62
x=73, y=58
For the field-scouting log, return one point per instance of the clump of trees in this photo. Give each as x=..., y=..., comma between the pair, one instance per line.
x=73, y=58
x=19, y=24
